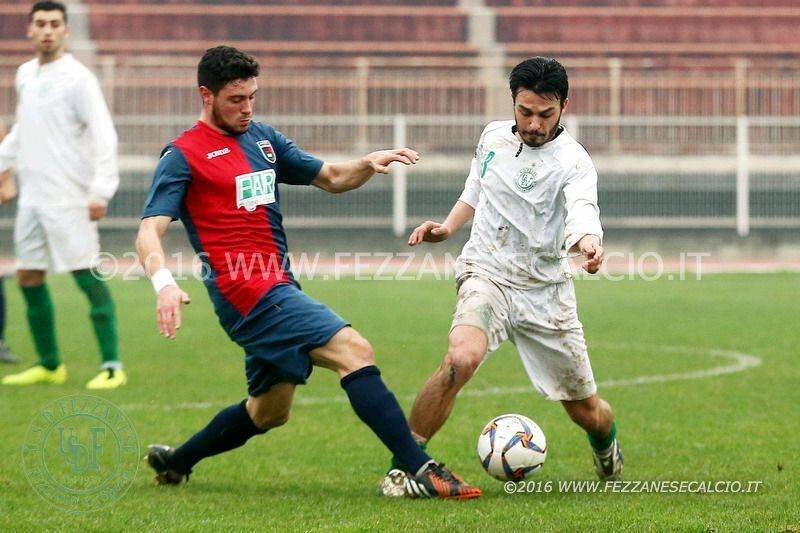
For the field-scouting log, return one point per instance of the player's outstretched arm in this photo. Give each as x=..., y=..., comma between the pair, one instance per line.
x=430, y=231
x=348, y=175
x=151, y=255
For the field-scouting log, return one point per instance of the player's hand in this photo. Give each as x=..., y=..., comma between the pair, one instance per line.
x=379, y=161
x=168, y=309
x=429, y=231
x=97, y=210
x=589, y=246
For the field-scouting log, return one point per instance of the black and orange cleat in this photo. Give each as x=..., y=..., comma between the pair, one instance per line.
x=436, y=481
x=158, y=457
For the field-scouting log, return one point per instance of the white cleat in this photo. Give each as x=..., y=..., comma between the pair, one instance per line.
x=608, y=464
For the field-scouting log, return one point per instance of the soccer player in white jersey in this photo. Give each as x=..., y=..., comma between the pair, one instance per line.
x=532, y=195
x=65, y=150
x=7, y=193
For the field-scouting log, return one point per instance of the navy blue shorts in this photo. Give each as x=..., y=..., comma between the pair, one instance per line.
x=279, y=334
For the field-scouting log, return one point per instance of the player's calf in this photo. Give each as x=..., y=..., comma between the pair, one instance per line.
x=434, y=402
x=594, y=415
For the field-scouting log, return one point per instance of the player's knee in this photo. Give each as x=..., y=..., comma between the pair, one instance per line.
x=360, y=352
x=270, y=420
x=30, y=278
x=461, y=362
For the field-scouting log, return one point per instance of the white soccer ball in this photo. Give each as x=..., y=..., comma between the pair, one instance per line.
x=511, y=447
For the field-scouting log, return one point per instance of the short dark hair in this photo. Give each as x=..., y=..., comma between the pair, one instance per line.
x=223, y=64
x=542, y=75
x=48, y=6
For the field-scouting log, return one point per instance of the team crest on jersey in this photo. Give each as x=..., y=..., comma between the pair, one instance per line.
x=526, y=179
x=267, y=150
x=255, y=189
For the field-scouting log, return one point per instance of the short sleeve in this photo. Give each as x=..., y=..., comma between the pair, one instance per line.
x=296, y=167
x=472, y=187
x=169, y=185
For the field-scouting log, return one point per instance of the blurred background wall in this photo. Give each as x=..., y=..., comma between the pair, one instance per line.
x=690, y=109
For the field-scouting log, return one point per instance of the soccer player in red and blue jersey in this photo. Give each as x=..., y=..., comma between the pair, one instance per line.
x=221, y=179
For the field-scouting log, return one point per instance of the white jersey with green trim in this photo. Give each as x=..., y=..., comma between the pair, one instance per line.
x=531, y=206
x=63, y=142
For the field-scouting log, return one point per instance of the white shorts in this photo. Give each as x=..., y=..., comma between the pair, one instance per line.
x=542, y=322
x=59, y=239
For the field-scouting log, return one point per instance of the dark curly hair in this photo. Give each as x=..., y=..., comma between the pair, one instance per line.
x=543, y=75
x=48, y=6
x=223, y=64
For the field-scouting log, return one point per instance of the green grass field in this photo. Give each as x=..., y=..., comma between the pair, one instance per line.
x=321, y=470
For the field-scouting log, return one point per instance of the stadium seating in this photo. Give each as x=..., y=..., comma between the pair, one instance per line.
x=284, y=3
x=295, y=30
x=642, y=3
x=13, y=24
x=650, y=32
x=655, y=29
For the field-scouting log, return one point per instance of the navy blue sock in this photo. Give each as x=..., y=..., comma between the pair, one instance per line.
x=2, y=310
x=378, y=408
x=231, y=428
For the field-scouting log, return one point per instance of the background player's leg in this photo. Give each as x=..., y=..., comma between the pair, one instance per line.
x=2, y=310
x=467, y=346
x=235, y=425
x=103, y=316
x=5, y=354
x=351, y=356
x=40, y=316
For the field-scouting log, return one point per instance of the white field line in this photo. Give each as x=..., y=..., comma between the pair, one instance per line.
x=736, y=362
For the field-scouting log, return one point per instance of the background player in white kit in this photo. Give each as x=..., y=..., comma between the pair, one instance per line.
x=7, y=193
x=65, y=149
x=532, y=190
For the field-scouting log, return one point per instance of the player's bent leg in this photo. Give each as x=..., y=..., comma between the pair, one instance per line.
x=42, y=325
x=594, y=415
x=352, y=357
x=466, y=349
x=5, y=353
x=230, y=429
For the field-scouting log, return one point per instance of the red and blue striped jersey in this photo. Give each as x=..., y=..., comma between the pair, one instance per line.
x=224, y=188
